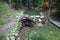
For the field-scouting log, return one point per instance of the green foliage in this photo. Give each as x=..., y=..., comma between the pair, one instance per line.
x=56, y=16
x=15, y=4
x=35, y=35
x=2, y=37
x=4, y=12
x=56, y=11
x=50, y=32
x=26, y=3
x=58, y=4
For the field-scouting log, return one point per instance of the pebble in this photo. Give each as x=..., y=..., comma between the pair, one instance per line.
x=41, y=16
x=40, y=20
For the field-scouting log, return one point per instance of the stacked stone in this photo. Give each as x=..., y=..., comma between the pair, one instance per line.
x=13, y=30
x=39, y=19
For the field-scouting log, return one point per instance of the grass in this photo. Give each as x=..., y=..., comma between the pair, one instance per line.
x=2, y=37
x=45, y=33
x=13, y=30
x=5, y=12
x=55, y=14
x=50, y=32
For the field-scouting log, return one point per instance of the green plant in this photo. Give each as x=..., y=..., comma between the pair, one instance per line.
x=56, y=11
x=2, y=37
x=50, y=32
x=4, y=12
x=35, y=35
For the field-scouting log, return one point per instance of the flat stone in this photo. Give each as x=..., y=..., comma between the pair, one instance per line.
x=40, y=24
x=41, y=16
x=40, y=20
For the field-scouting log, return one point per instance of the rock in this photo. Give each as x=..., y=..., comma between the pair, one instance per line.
x=41, y=13
x=18, y=38
x=12, y=37
x=32, y=16
x=7, y=38
x=12, y=33
x=41, y=17
x=39, y=20
x=37, y=16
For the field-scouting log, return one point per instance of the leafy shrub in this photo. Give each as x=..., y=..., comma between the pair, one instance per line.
x=56, y=16
x=56, y=11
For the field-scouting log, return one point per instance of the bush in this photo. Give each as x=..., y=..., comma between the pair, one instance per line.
x=56, y=16
x=56, y=11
